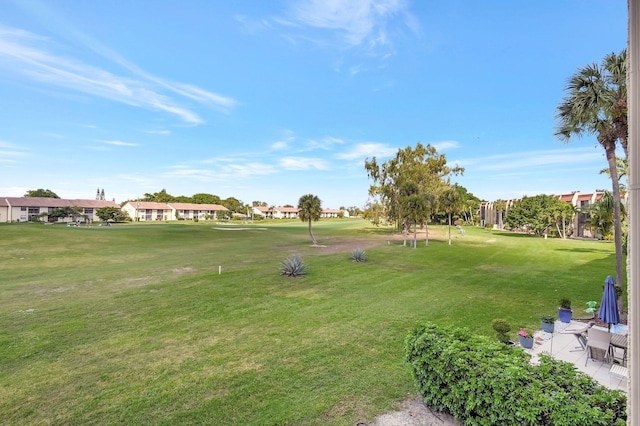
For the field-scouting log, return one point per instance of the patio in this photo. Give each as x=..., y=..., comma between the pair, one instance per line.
x=565, y=347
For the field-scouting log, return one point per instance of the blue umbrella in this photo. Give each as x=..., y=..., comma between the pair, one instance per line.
x=609, y=306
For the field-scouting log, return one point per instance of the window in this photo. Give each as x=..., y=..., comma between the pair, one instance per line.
x=88, y=210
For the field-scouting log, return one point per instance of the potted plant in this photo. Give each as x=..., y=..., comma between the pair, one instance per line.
x=526, y=339
x=548, y=323
x=502, y=328
x=564, y=311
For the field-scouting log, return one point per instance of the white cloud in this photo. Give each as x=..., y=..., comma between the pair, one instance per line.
x=368, y=150
x=27, y=55
x=226, y=171
x=249, y=169
x=279, y=145
x=121, y=143
x=521, y=160
x=325, y=143
x=444, y=145
x=359, y=22
x=9, y=152
x=303, y=163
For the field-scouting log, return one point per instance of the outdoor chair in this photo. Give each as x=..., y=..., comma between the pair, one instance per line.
x=581, y=336
x=598, y=343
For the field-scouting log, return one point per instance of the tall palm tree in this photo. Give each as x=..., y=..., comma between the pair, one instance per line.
x=501, y=207
x=310, y=210
x=596, y=104
x=451, y=202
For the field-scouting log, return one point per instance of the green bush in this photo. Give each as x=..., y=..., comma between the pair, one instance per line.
x=502, y=329
x=565, y=303
x=293, y=267
x=358, y=255
x=483, y=382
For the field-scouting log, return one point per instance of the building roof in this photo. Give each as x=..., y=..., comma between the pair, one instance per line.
x=149, y=205
x=54, y=202
x=287, y=209
x=193, y=206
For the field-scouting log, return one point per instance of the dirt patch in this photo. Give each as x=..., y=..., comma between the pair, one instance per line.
x=339, y=245
x=413, y=412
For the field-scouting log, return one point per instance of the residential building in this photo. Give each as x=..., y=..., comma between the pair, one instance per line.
x=263, y=211
x=145, y=211
x=581, y=201
x=329, y=213
x=285, y=212
x=197, y=211
x=29, y=209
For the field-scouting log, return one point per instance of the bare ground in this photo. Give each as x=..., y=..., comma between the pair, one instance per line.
x=413, y=412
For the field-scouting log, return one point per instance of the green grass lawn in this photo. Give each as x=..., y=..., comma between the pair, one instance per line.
x=133, y=324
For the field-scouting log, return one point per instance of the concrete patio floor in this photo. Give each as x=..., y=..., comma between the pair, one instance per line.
x=565, y=347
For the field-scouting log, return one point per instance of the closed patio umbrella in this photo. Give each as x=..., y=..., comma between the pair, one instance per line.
x=609, y=306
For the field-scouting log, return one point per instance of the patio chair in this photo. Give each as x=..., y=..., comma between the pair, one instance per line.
x=581, y=336
x=598, y=343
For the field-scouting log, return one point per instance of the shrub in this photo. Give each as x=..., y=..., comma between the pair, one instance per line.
x=548, y=319
x=482, y=382
x=293, y=267
x=502, y=329
x=358, y=255
x=565, y=303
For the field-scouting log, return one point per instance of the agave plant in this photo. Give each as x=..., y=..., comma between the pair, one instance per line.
x=358, y=255
x=293, y=267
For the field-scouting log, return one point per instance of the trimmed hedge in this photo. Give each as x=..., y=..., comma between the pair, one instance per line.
x=482, y=382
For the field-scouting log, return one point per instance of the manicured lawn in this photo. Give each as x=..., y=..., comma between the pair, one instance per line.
x=133, y=324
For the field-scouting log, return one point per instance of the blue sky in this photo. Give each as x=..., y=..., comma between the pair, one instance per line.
x=271, y=100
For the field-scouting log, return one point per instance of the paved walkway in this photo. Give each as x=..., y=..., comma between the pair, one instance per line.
x=565, y=347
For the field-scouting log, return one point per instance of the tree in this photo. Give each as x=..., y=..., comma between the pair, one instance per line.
x=450, y=202
x=42, y=193
x=532, y=214
x=233, y=204
x=112, y=213
x=501, y=207
x=202, y=198
x=471, y=206
x=411, y=209
x=623, y=167
x=159, y=197
x=310, y=210
x=374, y=212
x=601, y=215
x=561, y=214
x=421, y=167
x=72, y=212
x=596, y=104
x=354, y=211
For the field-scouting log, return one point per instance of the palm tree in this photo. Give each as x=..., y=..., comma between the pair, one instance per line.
x=500, y=206
x=310, y=210
x=451, y=202
x=623, y=170
x=596, y=104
